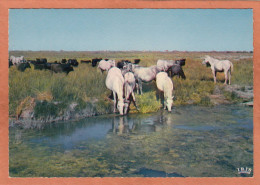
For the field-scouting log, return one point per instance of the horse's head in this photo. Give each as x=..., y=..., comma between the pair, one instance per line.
x=169, y=104
x=206, y=61
x=126, y=105
x=113, y=63
x=180, y=62
x=120, y=107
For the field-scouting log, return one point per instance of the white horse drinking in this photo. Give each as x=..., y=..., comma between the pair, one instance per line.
x=165, y=85
x=115, y=82
x=219, y=66
x=129, y=87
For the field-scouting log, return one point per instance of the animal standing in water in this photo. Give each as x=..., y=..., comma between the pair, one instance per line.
x=115, y=82
x=129, y=87
x=165, y=85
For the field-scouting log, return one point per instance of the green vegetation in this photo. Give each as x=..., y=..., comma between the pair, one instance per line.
x=243, y=72
x=148, y=102
x=85, y=86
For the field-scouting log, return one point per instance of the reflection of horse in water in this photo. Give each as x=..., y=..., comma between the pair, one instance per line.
x=121, y=125
x=125, y=125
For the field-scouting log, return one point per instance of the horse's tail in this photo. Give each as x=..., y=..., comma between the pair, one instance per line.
x=231, y=66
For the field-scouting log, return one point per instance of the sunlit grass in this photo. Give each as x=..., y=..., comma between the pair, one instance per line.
x=87, y=84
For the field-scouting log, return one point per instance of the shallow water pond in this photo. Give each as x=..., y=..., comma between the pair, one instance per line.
x=191, y=141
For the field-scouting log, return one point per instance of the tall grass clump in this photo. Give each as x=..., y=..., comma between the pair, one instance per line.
x=192, y=91
x=83, y=84
x=147, y=102
x=196, y=88
x=243, y=72
x=24, y=84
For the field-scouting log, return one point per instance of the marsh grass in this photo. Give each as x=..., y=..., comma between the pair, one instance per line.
x=243, y=72
x=148, y=102
x=86, y=85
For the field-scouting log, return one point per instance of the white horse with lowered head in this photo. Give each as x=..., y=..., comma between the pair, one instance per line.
x=219, y=66
x=129, y=87
x=165, y=85
x=115, y=82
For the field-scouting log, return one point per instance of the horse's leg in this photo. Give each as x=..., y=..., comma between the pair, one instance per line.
x=164, y=102
x=133, y=96
x=226, y=77
x=214, y=76
x=182, y=74
x=140, y=86
x=229, y=77
x=137, y=87
x=114, y=96
x=161, y=94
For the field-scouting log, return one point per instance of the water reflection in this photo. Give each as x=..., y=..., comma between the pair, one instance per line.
x=68, y=135
x=157, y=144
x=150, y=123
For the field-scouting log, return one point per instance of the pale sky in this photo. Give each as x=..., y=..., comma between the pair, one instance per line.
x=131, y=29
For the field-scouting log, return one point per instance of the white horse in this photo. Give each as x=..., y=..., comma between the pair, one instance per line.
x=129, y=87
x=163, y=65
x=115, y=82
x=16, y=60
x=165, y=85
x=106, y=65
x=144, y=74
x=219, y=66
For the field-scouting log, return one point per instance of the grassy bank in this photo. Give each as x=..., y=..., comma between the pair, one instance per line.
x=52, y=95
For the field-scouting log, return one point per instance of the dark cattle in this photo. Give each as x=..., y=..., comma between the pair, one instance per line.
x=48, y=66
x=39, y=66
x=122, y=63
x=10, y=63
x=176, y=70
x=95, y=61
x=23, y=66
x=106, y=59
x=59, y=68
x=41, y=60
x=42, y=66
x=180, y=62
x=127, y=61
x=63, y=61
x=73, y=62
x=55, y=62
x=85, y=61
x=32, y=61
x=137, y=61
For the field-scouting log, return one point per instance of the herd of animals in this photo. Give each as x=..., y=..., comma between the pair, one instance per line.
x=123, y=77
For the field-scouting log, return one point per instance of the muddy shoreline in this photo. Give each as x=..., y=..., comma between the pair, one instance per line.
x=27, y=120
